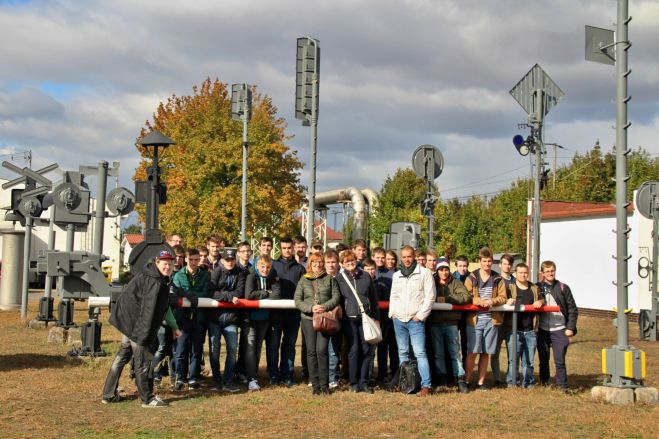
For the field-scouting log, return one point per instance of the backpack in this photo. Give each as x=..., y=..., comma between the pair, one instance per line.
x=409, y=380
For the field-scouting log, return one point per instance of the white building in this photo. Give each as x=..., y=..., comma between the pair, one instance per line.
x=579, y=238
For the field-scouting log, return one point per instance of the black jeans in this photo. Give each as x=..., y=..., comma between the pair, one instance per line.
x=255, y=332
x=317, y=356
x=241, y=366
x=559, y=343
x=359, y=355
x=387, y=348
x=142, y=357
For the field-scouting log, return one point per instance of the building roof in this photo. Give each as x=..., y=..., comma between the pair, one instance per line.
x=332, y=235
x=576, y=209
x=133, y=238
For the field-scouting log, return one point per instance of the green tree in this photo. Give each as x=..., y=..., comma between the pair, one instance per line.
x=400, y=200
x=133, y=229
x=203, y=170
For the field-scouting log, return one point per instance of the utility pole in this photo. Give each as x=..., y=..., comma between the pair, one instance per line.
x=537, y=94
x=622, y=364
x=241, y=109
x=306, y=110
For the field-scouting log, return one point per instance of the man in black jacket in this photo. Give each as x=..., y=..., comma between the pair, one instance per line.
x=138, y=314
x=556, y=328
x=227, y=285
x=285, y=323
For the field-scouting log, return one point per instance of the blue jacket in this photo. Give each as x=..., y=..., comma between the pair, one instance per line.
x=224, y=286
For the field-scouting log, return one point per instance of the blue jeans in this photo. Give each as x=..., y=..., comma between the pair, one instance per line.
x=447, y=336
x=505, y=334
x=230, y=334
x=416, y=333
x=285, y=327
x=334, y=351
x=189, y=349
x=526, y=344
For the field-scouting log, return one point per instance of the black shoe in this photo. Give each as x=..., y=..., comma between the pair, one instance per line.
x=367, y=389
x=355, y=388
x=463, y=387
x=315, y=390
x=193, y=385
x=483, y=388
x=325, y=391
x=178, y=386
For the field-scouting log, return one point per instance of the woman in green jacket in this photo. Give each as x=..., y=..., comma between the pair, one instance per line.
x=316, y=292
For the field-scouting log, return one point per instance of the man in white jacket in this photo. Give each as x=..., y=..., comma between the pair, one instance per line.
x=412, y=296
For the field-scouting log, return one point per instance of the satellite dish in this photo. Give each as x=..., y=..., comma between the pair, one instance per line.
x=67, y=196
x=427, y=162
x=30, y=206
x=647, y=199
x=120, y=201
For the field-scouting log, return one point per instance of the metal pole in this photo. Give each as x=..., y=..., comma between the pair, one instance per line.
x=152, y=218
x=622, y=229
x=70, y=235
x=314, y=139
x=243, y=219
x=537, y=128
x=431, y=215
x=48, y=287
x=553, y=180
x=655, y=274
x=100, y=207
x=26, y=265
x=513, y=337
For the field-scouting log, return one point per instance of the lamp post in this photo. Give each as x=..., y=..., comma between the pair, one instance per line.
x=157, y=140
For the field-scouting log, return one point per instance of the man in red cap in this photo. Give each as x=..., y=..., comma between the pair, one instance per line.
x=138, y=314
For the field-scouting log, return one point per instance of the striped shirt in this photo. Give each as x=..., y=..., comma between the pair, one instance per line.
x=485, y=293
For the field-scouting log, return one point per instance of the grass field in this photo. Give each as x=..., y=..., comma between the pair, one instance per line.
x=45, y=393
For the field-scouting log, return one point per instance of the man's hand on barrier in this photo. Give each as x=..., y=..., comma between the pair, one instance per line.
x=440, y=299
x=173, y=301
x=510, y=302
x=538, y=304
x=194, y=300
x=235, y=300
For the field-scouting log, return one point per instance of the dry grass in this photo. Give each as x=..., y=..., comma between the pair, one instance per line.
x=45, y=393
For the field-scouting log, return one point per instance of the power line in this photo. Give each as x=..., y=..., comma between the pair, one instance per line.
x=476, y=183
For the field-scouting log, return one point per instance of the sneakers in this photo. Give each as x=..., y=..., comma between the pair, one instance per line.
x=115, y=398
x=290, y=383
x=231, y=388
x=309, y=384
x=216, y=387
x=155, y=402
x=253, y=386
x=242, y=378
x=179, y=385
x=193, y=385
x=483, y=387
x=333, y=385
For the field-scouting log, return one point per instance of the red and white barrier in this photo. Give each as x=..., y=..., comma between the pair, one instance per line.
x=104, y=302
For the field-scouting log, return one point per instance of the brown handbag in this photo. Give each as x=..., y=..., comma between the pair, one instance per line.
x=328, y=322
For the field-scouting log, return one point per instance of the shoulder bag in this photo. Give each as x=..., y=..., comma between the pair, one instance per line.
x=372, y=331
x=327, y=322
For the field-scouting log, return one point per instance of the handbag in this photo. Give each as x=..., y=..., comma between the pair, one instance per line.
x=372, y=331
x=327, y=322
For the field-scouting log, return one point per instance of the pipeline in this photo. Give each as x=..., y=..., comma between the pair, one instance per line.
x=104, y=302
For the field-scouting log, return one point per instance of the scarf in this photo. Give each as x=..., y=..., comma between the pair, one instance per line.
x=316, y=275
x=407, y=271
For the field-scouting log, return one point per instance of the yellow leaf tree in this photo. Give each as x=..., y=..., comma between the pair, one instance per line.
x=203, y=171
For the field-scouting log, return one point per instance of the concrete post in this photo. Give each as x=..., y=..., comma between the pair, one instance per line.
x=12, y=268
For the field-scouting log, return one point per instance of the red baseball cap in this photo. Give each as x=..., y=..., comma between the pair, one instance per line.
x=165, y=254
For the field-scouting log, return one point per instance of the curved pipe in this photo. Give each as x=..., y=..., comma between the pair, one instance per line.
x=372, y=199
x=355, y=197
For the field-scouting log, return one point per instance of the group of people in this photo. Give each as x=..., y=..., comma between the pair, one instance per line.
x=444, y=345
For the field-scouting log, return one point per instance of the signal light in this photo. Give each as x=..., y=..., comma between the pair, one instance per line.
x=523, y=146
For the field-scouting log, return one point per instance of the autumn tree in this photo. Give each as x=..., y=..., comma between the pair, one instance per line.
x=203, y=171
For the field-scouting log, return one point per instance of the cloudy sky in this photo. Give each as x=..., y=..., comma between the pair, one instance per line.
x=79, y=78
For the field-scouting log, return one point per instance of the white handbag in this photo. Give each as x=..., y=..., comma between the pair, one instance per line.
x=372, y=331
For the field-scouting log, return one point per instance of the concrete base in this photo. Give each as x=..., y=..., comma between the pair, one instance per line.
x=614, y=395
x=40, y=324
x=73, y=337
x=57, y=335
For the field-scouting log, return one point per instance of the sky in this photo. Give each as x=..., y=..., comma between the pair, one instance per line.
x=79, y=79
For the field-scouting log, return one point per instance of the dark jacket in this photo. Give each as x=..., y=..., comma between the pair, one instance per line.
x=455, y=293
x=224, y=286
x=142, y=305
x=258, y=287
x=382, y=282
x=328, y=295
x=197, y=285
x=365, y=288
x=289, y=272
x=563, y=296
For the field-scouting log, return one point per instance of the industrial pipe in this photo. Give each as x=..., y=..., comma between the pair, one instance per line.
x=358, y=204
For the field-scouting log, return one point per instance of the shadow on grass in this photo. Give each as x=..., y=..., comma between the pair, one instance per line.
x=36, y=361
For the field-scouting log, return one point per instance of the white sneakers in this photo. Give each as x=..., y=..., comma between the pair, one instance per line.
x=253, y=386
